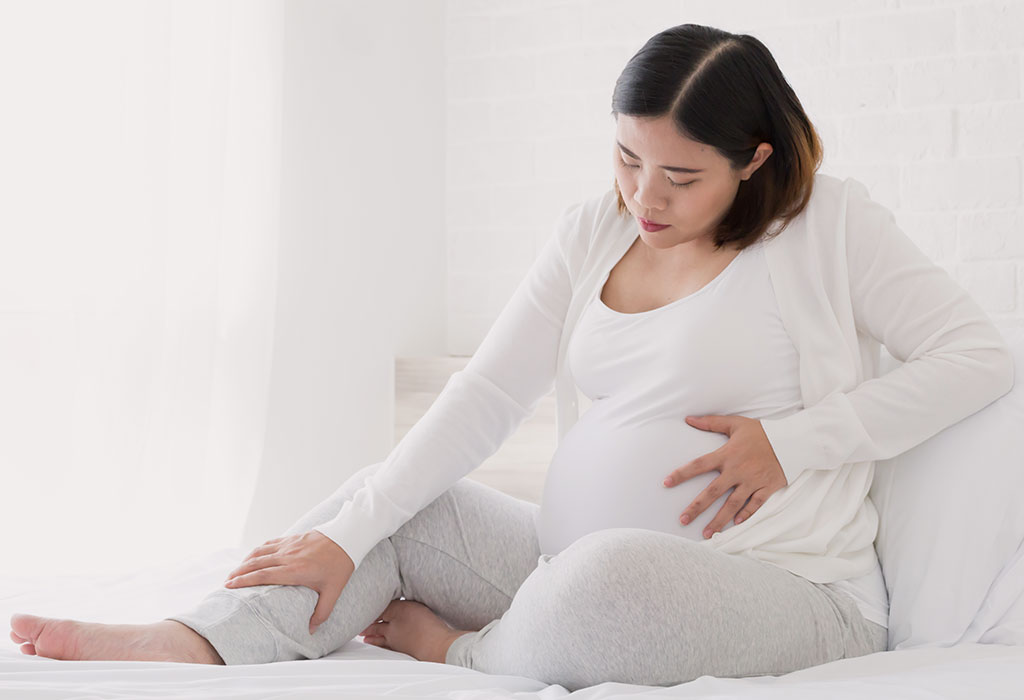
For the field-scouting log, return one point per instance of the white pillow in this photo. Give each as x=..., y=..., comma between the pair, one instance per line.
x=1001, y=618
x=951, y=526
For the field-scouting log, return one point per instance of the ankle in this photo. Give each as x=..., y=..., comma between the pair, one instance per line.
x=187, y=644
x=451, y=640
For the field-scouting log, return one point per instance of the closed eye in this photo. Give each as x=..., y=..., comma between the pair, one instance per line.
x=674, y=184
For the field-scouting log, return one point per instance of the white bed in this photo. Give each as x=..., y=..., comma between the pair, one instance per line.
x=956, y=611
x=361, y=670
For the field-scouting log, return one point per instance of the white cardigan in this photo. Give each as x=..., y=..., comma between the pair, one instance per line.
x=845, y=277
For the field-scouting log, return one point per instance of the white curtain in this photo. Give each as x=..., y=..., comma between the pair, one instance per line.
x=198, y=294
x=139, y=207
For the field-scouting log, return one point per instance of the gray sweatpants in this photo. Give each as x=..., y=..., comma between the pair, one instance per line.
x=624, y=604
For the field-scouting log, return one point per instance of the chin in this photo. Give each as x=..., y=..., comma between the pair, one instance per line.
x=656, y=240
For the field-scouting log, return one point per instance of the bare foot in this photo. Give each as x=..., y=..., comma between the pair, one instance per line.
x=167, y=640
x=410, y=627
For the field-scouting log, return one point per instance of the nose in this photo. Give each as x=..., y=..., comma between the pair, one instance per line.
x=647, y=199
x=648, y=202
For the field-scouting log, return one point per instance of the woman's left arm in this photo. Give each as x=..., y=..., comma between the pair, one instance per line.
x=955, y=362
x=955, y=359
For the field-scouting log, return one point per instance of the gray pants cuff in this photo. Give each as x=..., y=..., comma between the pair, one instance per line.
x=237, y=633
x=460, y=653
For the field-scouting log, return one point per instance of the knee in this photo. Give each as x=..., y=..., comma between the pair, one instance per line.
x=614, y=556
x=595, y=599
x=581, y=589
x=565, y=623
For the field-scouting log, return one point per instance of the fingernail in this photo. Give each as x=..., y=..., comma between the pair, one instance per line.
x=667, y=482
x=685, y=520
x=707, y=533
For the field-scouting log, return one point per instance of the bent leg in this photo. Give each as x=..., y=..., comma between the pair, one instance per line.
x=464, y=555
x=638, y=606
x=467, y=553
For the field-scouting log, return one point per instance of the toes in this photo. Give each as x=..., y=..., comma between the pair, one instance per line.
x=16, y=639
x=377, y=641
x=29, y=649
x=26, y=626
x=372, y=629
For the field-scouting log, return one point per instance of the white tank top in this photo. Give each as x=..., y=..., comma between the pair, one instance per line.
x=721, y=350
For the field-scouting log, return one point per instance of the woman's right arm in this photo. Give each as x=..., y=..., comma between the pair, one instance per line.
x=478, y=409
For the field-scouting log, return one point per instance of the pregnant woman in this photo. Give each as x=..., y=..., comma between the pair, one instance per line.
x=712, y=326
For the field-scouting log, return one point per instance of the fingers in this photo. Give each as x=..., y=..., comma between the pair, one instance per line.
x=273, y=575
x=705, y=463
x=708, y=496
x=324, y=605
x=254, y=564
x=691, y=469
x=265, y=548
x=756, y=501
x=727, y=511
x=259, y=554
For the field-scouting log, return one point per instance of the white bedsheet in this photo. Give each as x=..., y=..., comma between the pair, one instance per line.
x=360, y=670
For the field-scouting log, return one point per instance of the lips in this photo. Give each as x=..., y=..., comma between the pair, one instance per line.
x=649, y=222
x=651, y=228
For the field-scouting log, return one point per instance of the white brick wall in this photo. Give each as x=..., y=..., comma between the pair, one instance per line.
x=922, y=100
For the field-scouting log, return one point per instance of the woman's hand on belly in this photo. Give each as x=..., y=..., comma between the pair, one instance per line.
x=747, y=463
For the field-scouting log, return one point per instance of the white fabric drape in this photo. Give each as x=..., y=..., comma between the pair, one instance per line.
x=139, y=206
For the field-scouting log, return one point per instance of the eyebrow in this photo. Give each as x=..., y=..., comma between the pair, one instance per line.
x=666, y=167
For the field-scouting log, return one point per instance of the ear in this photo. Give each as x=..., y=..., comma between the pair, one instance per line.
x=764, y=150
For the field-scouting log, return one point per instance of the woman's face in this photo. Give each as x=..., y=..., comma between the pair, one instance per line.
x=650, y=156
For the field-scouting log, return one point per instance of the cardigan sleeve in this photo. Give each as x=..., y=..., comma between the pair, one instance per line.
x=480, y=406
x=955, y=360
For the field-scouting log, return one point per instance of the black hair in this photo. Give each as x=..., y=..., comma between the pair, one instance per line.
x=726, y=90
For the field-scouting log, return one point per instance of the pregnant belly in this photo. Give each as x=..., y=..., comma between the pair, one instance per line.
x=604, y=475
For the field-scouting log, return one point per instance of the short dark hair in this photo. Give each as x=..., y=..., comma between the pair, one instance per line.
x=726, y=90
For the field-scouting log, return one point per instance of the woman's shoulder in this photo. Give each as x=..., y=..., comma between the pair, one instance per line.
x=591, y=223
x=834, y=201
x=832, y=192
x=829, y=194
x=848, y=202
